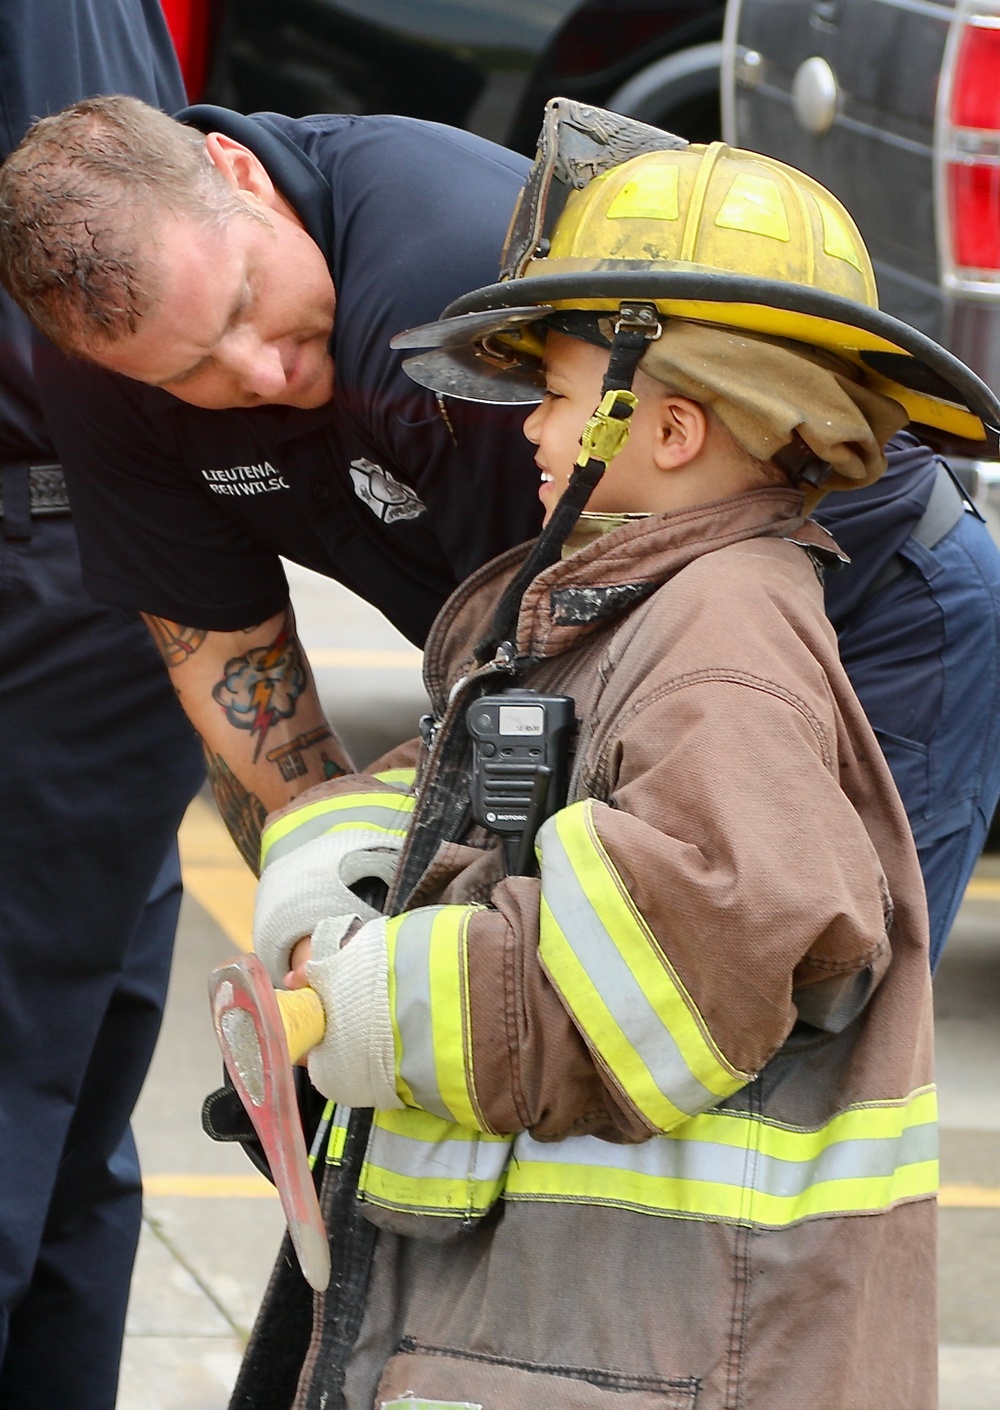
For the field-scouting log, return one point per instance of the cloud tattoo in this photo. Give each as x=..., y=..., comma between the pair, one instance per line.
x=262, y=687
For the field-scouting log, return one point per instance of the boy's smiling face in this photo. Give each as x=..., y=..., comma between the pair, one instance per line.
x=633, y=482
x=677, y=455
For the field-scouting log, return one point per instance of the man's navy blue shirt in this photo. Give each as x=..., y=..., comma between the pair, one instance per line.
x=183, y=512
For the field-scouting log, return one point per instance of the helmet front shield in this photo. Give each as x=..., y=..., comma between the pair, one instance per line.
x=576, y=143
x=468, y=360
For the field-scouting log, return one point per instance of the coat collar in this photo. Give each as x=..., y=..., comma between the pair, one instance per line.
x=610, y=575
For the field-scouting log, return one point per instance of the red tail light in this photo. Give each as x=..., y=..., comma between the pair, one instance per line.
x=190, y=25
x=975, y=215
x=971, y=150
x=976, y=94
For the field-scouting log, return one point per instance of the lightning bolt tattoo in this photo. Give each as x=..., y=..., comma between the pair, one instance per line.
x=261, y=688
x=262, y=699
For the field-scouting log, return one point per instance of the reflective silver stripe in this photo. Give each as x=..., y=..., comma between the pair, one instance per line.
x=738, y=1168
x=413, y=1010
x=479, y=1158
x=416, y=1163
x=674, y=1158
x=629, y=1005
x=419, y=1164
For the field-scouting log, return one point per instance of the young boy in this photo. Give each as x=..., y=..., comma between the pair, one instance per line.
x=654, y=1128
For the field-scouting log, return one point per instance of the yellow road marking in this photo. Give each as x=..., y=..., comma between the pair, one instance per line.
x=215, y=873
x=208, y=1187
x=256, y=1187
x=364, y=659
x=983, y=888
x=969, y=1197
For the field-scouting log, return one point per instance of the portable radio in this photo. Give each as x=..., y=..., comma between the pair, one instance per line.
x=520, y=766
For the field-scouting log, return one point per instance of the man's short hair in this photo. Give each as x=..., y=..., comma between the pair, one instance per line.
x=78, y=201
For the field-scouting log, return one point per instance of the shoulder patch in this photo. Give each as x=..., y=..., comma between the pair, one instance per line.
x=388, y=498
x=579, y=606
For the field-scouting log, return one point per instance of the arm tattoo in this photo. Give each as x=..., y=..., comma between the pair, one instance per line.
x=331, y=769
x=176, y=644
x=261, y=687
x=242, y=812
x=289, y=760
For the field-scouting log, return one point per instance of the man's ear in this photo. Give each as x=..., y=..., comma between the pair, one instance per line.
x=681, y=432
x=243, y=171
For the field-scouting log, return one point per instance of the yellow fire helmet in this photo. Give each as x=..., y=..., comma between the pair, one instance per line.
x=616, y=214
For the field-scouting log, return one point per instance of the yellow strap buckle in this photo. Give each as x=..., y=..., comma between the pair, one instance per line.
x=607, y=430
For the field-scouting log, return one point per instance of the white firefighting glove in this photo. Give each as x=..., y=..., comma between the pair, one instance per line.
x=312, y=881
x=355, y=1064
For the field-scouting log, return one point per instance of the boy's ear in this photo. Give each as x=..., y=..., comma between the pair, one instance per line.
x=681, y=432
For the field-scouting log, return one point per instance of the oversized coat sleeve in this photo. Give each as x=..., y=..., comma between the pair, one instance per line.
x=664, y=954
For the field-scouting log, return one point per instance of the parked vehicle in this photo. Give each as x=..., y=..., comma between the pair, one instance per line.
x=895, y=106
x=194, y=26
x=487, y=65
x=892, y=104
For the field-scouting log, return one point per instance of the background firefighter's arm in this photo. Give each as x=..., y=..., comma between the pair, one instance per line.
x=251, y=697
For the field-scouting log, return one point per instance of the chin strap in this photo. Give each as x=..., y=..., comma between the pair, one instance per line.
x=603, y=437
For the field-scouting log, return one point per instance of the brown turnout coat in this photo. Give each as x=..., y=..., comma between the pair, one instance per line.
x=740, y=802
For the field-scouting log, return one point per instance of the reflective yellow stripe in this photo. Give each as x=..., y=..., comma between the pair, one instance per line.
x=451, y=1018
x=323, y=1137
x=726, y=1165
x=705, y=1200
x=871, y=1121
x=429, y=1002
x=418, y=1162
x=616, y=981
x=740, y=1168
x=338, y=1135
x=404, y=779
x=375, y=811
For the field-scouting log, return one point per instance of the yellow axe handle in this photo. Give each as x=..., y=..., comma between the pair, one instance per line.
x=303, y=1019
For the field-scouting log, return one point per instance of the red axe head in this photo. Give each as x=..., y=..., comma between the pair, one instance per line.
x=251, y=1034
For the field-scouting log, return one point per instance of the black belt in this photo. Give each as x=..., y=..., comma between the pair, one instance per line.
x=31, y=490
x=944, y=509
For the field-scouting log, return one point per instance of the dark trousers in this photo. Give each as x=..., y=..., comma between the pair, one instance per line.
x=924, y=657
x=98, y=766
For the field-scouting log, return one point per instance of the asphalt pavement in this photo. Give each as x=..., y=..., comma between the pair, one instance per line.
x=212, y=1225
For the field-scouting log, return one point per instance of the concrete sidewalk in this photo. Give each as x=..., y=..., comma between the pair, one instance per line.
x=212, y=1225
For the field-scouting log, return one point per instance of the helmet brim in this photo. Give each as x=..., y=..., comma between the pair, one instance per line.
x=449, y=332
x=463, y=362
x=946, y=401
x=464, y=373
